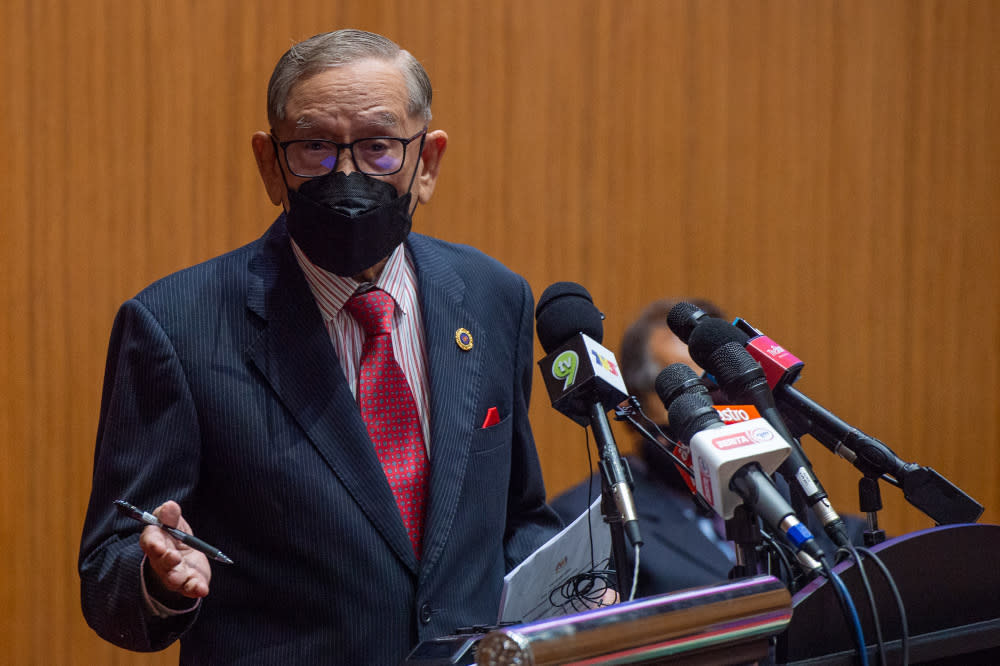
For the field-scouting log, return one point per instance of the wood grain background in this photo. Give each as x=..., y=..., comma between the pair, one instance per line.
x=826, y=169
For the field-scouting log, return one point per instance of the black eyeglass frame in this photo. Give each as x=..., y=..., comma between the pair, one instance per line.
x=340, y=147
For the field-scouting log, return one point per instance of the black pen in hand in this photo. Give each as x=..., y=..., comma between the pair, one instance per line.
x=191, y=540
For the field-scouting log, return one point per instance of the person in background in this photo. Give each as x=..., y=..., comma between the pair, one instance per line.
x=341, y=406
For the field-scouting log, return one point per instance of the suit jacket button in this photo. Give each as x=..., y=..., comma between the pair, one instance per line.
x=425, y=613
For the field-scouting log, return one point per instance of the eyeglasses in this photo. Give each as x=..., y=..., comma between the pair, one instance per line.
x=373, y=156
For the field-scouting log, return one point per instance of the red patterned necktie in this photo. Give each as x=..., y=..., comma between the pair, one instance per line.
x=389, y=411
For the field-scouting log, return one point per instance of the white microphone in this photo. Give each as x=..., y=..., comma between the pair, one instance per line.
x=731, y=464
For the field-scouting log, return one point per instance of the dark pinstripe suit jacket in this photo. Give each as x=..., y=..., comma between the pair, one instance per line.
x=222, y=391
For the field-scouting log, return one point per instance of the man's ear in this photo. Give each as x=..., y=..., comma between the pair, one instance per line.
x=430, y=163
x=267, y=165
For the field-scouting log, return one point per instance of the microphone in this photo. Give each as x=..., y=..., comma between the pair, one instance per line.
x=731, y=465
x=584, y=383
x=718, y=347
x=675, y=380
x=922, y=487
x=683, y=318
x=678, y=379
x=780, y=366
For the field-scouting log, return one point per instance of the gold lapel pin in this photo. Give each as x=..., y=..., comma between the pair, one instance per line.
x=463, y=339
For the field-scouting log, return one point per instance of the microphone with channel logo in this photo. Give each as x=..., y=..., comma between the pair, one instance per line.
x=922, y=486
x=718, y=347
x=731, y=464
x=584, y=382
x=676, y=380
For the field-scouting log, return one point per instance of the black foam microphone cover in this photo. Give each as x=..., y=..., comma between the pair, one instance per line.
x=690, y=413
x=683, y=318
x=565, y=309
x=708, y=336
x=737, y=372
x=675, y=380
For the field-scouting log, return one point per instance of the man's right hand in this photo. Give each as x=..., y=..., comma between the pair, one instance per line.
x=173, y=569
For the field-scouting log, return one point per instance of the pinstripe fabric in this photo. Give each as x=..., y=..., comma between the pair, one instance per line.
x=399, y=279
x=223, y=392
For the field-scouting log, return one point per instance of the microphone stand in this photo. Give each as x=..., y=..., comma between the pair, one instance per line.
x=612, y=465
x=870, y=503
x=614, y=469
x=742, y=530
x=614, y=520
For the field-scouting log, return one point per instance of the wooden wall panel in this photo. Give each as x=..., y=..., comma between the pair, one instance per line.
x=828, y=170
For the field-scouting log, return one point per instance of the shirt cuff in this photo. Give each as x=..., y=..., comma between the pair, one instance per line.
x=155, y=607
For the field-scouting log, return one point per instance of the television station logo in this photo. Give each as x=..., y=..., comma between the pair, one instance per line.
x=756, y=435
x=566, y=366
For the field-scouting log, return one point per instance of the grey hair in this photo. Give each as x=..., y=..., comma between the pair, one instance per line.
x=340, y=48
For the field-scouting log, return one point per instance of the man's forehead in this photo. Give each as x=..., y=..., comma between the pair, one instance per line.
x=369, y=93
x=381, y=118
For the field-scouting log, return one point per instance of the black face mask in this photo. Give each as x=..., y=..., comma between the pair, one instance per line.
x=347, y=223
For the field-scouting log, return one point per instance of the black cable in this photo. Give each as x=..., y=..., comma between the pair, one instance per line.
x=590, y=498
x=576, y=595
x=783, y=556
x=583, y=591
x=635, y=573
x=879, y=640
x=637, y=406
x=590, y=531
x=848, y=609
x=904, y=639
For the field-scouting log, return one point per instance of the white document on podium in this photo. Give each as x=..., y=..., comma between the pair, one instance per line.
x=525, y=596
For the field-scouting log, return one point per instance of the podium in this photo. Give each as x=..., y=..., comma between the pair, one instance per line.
x=949, y=581
x=948, y=578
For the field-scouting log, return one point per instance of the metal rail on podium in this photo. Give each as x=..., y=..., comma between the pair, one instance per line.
x=722, y=624
x=949, y=581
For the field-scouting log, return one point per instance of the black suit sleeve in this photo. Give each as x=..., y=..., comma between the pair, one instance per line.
x=147, y=452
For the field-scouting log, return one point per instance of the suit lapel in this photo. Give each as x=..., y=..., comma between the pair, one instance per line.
x=294, y=353
x=454, y=376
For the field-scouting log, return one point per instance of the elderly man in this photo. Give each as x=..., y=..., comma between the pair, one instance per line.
x=339, y=406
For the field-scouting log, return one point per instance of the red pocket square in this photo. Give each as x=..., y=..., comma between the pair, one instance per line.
x=492, y=417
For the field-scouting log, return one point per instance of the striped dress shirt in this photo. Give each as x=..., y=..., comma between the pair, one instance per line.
x=399, y=280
